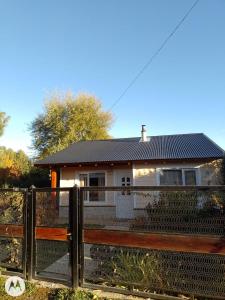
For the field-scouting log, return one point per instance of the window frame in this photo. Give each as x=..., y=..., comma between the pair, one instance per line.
x=88, y=180
x=184, y=178
x=197, y=176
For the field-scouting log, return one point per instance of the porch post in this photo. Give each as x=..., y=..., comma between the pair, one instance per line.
x=53, y=178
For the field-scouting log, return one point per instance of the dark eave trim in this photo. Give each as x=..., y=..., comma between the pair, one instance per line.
x=128, y=162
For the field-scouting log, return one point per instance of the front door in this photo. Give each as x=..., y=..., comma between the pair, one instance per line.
x=124, y=200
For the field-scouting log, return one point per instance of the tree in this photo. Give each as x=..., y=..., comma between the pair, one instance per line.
x=67, y=119
x=12, y=165
x=36, y=176
x=3, y=122
x=17, y=170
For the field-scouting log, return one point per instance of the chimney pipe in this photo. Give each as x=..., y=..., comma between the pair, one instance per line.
x=143, y=134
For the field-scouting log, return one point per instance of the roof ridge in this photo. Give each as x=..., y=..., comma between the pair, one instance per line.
x=160, y=135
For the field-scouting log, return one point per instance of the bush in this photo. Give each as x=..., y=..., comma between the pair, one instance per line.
x=68, y=294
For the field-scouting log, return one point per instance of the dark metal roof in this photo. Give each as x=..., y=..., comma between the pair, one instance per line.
x=166, y=147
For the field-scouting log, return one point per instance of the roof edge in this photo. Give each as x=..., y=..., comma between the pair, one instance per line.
x=122, y=162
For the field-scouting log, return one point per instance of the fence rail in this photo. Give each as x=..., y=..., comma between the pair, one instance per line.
x=196, y=244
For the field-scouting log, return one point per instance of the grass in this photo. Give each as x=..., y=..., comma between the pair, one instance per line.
x=34, y=292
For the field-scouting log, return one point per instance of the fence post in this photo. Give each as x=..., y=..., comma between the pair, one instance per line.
x=30, y=233
x=74, y=249
x=25, y=227
x=80, y=237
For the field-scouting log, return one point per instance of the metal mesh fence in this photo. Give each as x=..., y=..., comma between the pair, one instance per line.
x=52, y=208
x=189, y=212
x=155, y=271
x=53, y=260
x=129, y=240
x=12, y=207
x=11, y=250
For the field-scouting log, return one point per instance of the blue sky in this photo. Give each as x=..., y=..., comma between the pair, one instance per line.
x=98, y=46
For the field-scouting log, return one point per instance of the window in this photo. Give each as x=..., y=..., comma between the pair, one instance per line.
x=171, y=177
x=190, y=177
x=125, y=181
x=178, y=177
x=93, y=179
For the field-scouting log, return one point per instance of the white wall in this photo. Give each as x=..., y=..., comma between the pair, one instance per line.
x=149, y=174
x=144, y=174
x=70, y=177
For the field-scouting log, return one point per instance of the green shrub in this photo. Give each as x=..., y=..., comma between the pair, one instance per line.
x=68, y=294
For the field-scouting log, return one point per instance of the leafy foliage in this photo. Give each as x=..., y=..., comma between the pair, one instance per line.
x=67, y=119
x=36, y=292
x=36, y=176
x=16, y=170
x=12, y=165
x=3, y=122
x=11, y=207
x=11, y=252
x=68, y=294
x=223, y=170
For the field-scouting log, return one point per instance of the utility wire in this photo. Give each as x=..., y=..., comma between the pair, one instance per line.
x=154, y=55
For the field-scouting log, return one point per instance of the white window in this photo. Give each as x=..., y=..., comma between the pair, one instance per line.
x=177, y=177
x=93, y=179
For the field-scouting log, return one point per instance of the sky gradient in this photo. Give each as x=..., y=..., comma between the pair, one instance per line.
x=98, y=46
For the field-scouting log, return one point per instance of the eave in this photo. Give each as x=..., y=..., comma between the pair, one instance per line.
x=127, y=162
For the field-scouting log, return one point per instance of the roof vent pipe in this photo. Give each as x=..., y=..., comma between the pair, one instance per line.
x=143, y=134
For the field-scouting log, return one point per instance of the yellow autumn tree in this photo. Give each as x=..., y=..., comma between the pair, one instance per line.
x=67, y=119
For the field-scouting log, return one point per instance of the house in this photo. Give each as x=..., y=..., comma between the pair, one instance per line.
x=181, y=159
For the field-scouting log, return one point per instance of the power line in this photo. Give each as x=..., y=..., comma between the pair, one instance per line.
x=154, y=55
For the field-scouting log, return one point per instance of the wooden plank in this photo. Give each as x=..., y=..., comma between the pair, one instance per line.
x=186, y=243
x=11, y=230
x=51, y=233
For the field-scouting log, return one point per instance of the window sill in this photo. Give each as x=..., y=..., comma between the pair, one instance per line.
x=96, y=203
